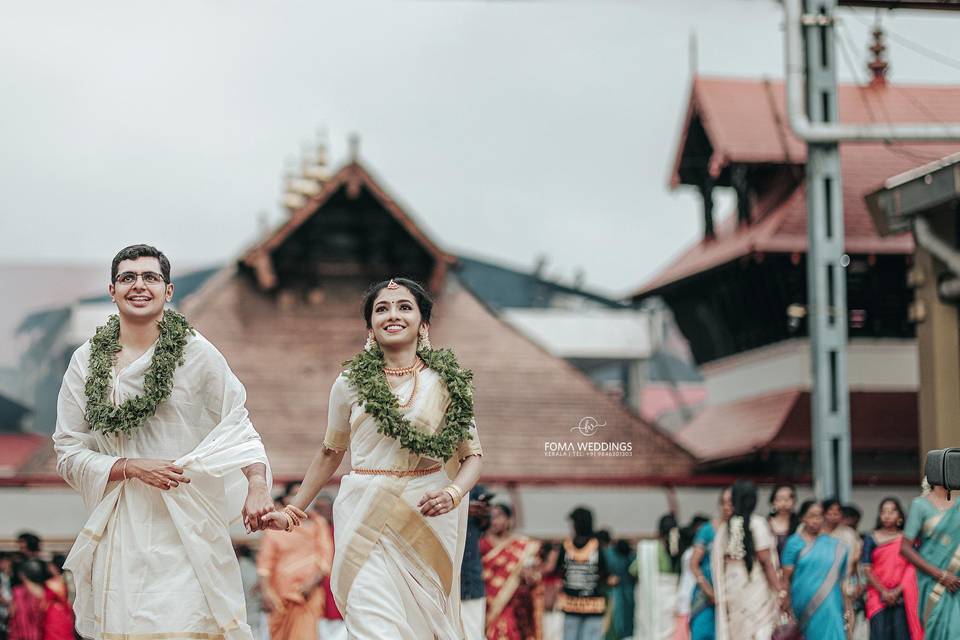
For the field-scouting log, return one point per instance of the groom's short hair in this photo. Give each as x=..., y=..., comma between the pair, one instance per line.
x=135, y=251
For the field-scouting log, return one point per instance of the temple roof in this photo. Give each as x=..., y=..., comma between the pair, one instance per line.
x=743, y=122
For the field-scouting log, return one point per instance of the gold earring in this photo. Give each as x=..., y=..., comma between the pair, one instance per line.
x=371, y=342
x=424, y=341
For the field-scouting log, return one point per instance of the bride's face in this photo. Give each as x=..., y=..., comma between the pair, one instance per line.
x=395, y=317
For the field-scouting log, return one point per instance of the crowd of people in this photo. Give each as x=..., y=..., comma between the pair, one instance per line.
x=797, y=571
x=35, y=593
x=805, y=571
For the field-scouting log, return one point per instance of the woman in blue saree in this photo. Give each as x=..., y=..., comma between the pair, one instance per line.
x=934, y=524
x=703, y=621
x=814, y=565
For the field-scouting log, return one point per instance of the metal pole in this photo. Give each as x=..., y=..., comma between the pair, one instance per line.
x=826, y=277
x=806, y=127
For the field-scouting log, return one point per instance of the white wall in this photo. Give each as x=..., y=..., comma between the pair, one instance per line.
x=877, y=365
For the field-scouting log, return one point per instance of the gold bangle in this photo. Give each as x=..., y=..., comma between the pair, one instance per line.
x=295, y=515
x=124, y=468
x=455, y=493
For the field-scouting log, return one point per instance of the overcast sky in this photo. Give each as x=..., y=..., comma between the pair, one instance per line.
x=508, y=129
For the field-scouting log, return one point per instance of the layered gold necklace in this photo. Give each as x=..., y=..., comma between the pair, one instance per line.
x=403, y=371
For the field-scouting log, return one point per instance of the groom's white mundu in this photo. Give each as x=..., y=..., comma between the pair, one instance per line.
x=153, y=433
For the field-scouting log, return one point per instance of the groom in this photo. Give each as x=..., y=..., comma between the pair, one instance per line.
x=153, y=433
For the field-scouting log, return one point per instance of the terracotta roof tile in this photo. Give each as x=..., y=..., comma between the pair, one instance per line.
x=780, y=421
x=18, y=450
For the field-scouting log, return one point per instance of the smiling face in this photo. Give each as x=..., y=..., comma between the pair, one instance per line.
x=395, y=318
x=137, y=291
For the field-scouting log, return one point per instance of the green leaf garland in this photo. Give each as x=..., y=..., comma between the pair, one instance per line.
x=365, y=373
x=104, y=416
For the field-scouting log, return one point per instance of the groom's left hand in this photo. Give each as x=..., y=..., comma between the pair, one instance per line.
x=257, y=505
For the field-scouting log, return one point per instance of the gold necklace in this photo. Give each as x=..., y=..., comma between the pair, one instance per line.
x=402, y=371
x=413, y=394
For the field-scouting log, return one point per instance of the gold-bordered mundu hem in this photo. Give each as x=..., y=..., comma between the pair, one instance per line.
x=587, y=605
x=172, y=635
x=397, y=473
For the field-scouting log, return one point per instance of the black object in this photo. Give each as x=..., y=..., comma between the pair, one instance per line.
x=943, y=468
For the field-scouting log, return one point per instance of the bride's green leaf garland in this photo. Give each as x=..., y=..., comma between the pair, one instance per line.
x=365, y=373
x=101, y=414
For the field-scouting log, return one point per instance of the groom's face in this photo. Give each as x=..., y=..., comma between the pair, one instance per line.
x=139, y=289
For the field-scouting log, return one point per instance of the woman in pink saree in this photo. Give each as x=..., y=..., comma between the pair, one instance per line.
x=892, y=594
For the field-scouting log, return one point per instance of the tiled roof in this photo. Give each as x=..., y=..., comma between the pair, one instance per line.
x=352, y=177
x=746, y=123
x=288, y=359
x=17, y=450
x=288, y=355
x=504, y=288
x=780, y=421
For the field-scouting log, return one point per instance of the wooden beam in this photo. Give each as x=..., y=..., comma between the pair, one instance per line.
x=938, y=339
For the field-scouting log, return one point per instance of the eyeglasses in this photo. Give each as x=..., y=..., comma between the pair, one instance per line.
x=150, y=278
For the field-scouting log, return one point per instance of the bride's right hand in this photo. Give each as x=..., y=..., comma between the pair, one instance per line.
x=276, y=520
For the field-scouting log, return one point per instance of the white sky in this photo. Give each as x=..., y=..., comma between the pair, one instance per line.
x=509, y=129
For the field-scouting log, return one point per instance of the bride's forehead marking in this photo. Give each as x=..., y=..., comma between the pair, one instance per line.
x=386, y=297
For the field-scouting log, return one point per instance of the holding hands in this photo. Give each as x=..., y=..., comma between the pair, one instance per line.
x=284, y=520
x=257, y=506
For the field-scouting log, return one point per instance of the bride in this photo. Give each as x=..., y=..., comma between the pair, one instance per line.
x=406, y=412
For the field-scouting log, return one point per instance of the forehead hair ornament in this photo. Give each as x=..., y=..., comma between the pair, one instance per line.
x=392, y=285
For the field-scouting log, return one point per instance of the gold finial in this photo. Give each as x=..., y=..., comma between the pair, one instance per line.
x=354, y=145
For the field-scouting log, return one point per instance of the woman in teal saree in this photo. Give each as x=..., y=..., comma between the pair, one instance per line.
x=703, y=619
x=814, y=565
x=934, y=525
x=702, y=611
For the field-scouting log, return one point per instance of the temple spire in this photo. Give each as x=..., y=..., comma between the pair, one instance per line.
x=878, y=64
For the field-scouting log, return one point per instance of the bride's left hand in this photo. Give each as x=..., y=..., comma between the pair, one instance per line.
x=435, y=503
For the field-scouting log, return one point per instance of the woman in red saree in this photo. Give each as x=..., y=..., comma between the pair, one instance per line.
x=58, y=620
x=513, y=584
x=892, y=594
x=40, y=609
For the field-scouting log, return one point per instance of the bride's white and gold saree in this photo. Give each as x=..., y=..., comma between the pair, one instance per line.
x=395, y=571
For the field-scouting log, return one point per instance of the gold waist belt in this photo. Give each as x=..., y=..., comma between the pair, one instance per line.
x=590, y=605
x=398, y=473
